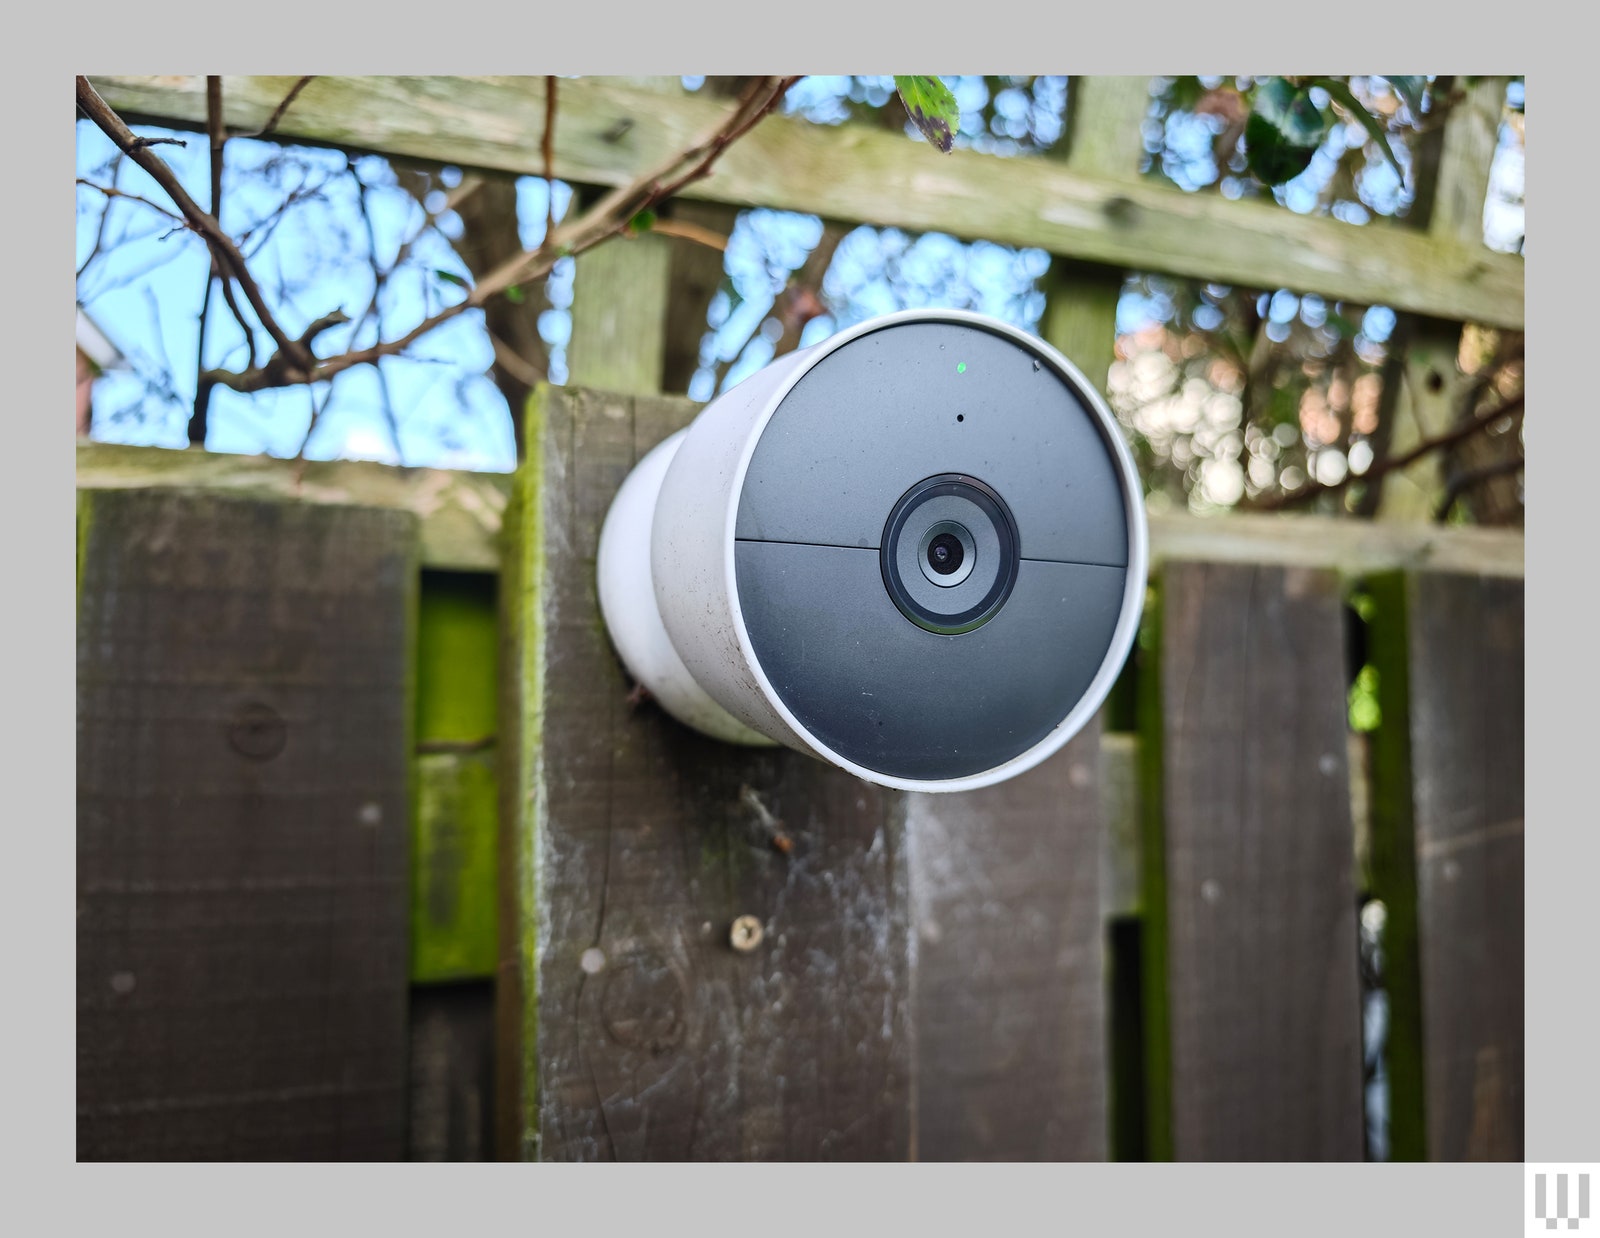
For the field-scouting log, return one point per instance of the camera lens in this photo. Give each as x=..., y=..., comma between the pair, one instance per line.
x=945, y=554
x=949, y=553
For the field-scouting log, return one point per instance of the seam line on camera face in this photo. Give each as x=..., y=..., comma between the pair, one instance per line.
x=774, y=541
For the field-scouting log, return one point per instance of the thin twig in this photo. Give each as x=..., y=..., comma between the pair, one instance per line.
x=140, y=143
x=277, y=113
x=112, y=192
x=316, y=416
x=238, y=314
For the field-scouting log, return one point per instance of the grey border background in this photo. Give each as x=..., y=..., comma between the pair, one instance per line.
x=753, y=1202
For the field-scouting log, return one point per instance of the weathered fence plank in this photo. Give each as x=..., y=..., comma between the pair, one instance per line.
x=650, y=1036
x=244, y=716
x=609, y=131
x=1250, y=899
x=1448, y=815
x=1010, y=970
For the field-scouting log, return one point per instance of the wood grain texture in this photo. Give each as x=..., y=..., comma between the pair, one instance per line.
x=642, y=842
x=610, y=130
x=1455, y=795
x=1011, y=1016
x=244, y=720
x=1254, y=871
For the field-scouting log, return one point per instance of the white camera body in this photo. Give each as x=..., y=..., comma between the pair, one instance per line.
x=916, y=550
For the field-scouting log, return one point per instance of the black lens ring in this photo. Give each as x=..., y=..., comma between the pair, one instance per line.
x=994, y=507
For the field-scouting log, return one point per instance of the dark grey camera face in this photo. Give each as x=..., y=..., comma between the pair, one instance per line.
x=949, y=553
x=931, y=549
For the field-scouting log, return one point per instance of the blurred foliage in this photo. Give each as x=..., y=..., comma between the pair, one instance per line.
x=1230, y=394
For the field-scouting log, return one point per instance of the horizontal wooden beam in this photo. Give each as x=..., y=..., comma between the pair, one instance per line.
x=1350, y=547
x=460, y=515
x=608, y=130
x=459, y=512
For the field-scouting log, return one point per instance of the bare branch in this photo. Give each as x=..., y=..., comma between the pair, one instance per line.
x=277, y=112
x=275, y=372
x=140, y=143
x=608, y=217
x=227, y=254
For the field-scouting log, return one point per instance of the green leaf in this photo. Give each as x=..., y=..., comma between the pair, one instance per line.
x=1342, y=94
x=450, y=277
x=642, y=222
x=515, y=295
x=1283, y=132
x=932, y=108
x=1411, y=91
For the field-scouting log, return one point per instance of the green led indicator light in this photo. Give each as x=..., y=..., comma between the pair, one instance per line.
x=961, y=367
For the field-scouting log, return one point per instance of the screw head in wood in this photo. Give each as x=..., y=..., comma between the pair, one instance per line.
x=745, y=934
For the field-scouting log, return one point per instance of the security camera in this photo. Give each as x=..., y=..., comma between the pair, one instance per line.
x=916, y=550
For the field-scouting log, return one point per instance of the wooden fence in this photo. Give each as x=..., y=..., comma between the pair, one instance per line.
x=378, y=858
